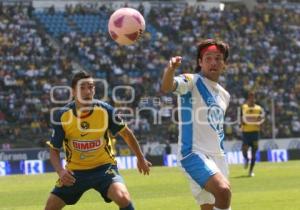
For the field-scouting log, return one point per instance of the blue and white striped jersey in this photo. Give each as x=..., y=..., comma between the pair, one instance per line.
x=201, y=107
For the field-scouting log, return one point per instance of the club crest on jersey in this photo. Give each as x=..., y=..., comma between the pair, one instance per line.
x=84, y=125
x=86, y=146
x=111, y=171
x=215, y=117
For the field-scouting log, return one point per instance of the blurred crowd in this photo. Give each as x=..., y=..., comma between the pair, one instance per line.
x=265, y=56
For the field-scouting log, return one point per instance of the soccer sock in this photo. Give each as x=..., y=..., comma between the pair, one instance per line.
x=129, y=207
x=252, y=164
x=245, y=155
x=215, y=208
x=253, y=159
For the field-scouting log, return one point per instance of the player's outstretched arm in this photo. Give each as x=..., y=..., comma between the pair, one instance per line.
x=168, y=83
x=142, y=164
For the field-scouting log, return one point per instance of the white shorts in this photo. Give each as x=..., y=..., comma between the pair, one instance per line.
x=199, y=168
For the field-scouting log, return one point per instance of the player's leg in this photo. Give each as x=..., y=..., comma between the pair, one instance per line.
x=202, y=170
x=118, y=193
x=211, y=207
x=245, y=148
x=254, y=148
x=62, y=195
x=224, y=172
x=205, y=199
x=207, y=207
x=54, y=203
x=111, y=186
x=219, y=186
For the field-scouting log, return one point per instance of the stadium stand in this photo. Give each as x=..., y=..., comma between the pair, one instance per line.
x=38, y=50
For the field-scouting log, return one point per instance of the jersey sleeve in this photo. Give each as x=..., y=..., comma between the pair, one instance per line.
x=261, y=110
x=115, y=122
x=228, y=101
x=184, y=84
x=58, y=133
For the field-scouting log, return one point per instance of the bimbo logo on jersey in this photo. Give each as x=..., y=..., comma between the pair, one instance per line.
x=86, y=146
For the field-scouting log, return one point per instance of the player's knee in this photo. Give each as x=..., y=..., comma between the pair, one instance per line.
x=54, y=204
x=123, y=198
x=52, y=207
x=224, y=194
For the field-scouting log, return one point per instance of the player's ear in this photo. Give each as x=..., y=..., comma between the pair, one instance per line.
x=200, y=62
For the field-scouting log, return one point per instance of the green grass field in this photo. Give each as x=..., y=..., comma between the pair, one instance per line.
x=276, y=186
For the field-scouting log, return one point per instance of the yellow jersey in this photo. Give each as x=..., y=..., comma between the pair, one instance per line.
x=251, y=117
x=86, y=140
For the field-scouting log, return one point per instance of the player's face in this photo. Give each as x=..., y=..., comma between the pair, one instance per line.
x=84, y=91
x=251, y=98
x=212, y=65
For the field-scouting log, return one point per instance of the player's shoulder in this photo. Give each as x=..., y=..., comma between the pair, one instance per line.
x=70, y=105
x=224, y=91
x=188, y=76
x=257, y=106
x=244, y=105
x=102, y=104
x=58, y=112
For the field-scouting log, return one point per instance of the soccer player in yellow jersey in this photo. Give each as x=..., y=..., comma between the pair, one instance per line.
x=252, y=118
x=83, y=128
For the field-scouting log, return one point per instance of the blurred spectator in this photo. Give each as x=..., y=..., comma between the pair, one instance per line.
x=6, y=146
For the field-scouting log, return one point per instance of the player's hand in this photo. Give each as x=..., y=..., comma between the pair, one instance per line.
x=66, y=177
x=144, y=166
x=175, y=62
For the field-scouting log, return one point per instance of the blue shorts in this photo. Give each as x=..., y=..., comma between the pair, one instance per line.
x=199, y=168
x=99, y=178
x=250, y=138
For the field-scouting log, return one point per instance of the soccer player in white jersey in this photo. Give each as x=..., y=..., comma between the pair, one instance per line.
x=202, y=103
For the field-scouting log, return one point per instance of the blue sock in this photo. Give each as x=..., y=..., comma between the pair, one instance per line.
x=129, y=207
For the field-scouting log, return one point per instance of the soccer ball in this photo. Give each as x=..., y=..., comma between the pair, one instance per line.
x=126, y=25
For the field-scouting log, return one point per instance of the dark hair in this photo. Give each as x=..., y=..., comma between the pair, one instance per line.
x=78, y=76
x=222, y=46
x=250, y=92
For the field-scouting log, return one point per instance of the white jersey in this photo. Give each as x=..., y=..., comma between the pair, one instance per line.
x=201, y=107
